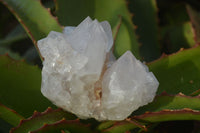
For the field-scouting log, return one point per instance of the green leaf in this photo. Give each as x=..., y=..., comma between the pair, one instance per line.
x=176, y=29
x=170, y=102
x=36, y=20
x=177, y=36
x=179, y=72
x=38, y=120
x=169, y=115
x=9, y=115
x=172, y=13
x=72, y=12
x=146, y=20
x=70, y=126
x=120, y=127
x=126, y=40
x=20, y=86
x=105, y=125
x=195, y=19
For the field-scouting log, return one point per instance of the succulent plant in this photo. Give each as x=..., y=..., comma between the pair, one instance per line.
x=163, y=34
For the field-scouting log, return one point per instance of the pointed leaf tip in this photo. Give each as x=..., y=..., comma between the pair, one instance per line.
x=9, y=115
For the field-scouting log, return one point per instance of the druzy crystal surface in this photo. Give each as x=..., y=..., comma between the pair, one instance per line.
x=81, y=75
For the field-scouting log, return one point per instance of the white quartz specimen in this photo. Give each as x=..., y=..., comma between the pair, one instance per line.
x=81, y=75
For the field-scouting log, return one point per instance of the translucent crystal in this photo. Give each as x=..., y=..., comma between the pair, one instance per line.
x=126, y=86
x=81, y=75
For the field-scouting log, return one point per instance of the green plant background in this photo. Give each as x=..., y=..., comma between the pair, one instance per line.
x=163, y=33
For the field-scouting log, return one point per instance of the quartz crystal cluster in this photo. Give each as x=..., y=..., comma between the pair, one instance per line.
x=81, y=75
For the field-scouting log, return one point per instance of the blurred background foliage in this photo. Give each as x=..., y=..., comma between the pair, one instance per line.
x=163, y=33
x=160, y=26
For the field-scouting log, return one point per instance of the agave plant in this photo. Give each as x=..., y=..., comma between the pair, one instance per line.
x=164, y=34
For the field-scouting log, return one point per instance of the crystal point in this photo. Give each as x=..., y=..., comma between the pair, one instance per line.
x=126, y=86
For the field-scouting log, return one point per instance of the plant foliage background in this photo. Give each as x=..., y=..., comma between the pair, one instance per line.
x=163, y=33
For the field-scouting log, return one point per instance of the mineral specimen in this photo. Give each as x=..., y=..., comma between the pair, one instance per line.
x=81, y=75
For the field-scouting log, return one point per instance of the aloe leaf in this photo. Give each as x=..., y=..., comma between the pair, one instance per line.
x=195, y=19
x=176, y=28
x=146, y=20
x=170, y=102
x=120, y=127
x=9, y=115
x=72, y=12
x=177, y=36
x=105, y=125
x=169, y=115
x=179, y=72
x=7, y=21
x=20, y=86
x=69, y=126
x=126, y=38
x=36, y=20
x=50, y=121
x=173, y=13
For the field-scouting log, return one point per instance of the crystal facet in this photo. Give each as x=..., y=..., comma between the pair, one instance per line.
x=80, y=73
